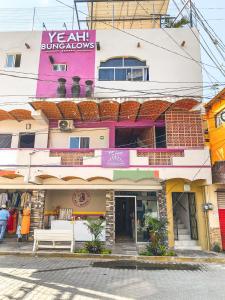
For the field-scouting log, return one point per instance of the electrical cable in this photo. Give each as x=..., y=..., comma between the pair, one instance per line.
x=142, y=39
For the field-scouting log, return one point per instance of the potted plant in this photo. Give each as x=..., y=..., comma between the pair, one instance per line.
x=156, y=230
x=95, y=226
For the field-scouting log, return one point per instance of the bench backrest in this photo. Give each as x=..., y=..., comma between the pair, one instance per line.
x=53, y=235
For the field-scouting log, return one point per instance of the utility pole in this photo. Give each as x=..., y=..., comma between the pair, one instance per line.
x=191, y=14
x=33, y=20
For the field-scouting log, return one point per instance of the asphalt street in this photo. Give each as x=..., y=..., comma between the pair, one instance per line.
x=81, y=279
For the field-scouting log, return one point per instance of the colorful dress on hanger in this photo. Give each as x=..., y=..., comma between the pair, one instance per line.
x=25, y=225
x=25, y=198
x=12, y=221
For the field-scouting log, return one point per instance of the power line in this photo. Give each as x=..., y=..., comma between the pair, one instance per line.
x=214, y=59
x=142, y=39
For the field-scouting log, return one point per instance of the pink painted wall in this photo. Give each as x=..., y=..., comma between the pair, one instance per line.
x=78, y=53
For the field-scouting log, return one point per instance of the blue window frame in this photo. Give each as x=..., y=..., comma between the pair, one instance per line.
x=123, y=69
x=79, y=142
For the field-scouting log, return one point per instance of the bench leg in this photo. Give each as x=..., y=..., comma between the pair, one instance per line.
x=35, y=246
x=72, y=247
x=53, y=244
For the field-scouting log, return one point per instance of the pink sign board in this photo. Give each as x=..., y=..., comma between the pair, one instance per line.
x=74, y=50
x=115, y=158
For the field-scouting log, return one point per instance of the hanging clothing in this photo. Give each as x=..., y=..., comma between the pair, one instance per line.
x=25, y=225
x=20, y=216
x=3, y=199
x=12, y=221
x=18, y=232
x=15, y=199
x=25, y=198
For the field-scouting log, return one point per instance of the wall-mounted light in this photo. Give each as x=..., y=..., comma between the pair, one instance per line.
x=98, y=46
x=27, y=46
x=138, y=45
x=187, y=187
x=183, y=43
x=28, y=126
x=51, y=59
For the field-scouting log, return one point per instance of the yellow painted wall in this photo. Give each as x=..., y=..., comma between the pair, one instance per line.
x=177, y=185
x=216, y=134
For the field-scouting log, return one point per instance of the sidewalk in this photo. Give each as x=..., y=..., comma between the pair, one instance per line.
x=12, y=247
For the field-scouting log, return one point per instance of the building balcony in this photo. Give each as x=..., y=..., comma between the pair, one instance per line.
x=105, y=158
x=112, y=164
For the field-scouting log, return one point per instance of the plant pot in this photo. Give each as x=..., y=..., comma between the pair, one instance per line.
x=75, y=89
x=61, y=89
x=88, y=88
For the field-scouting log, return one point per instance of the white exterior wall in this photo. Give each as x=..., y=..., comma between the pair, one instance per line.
x=99, y=137
x=14, y=88
x=163, y=66
x=15, y=128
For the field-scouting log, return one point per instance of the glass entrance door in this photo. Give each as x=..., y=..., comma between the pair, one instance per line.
x=125, y=222
x=130, y=213
x=146, y=204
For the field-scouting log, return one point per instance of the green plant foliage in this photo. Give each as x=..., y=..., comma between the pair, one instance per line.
x=94, y=247
x=157, y=231
x=216, y=247
x=95, y=227
x=177, y=24
x=83, y=250
x=106, y=251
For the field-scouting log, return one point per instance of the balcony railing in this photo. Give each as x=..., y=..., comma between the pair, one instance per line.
x=103, y=158
x=162, y=157
x=72, y=158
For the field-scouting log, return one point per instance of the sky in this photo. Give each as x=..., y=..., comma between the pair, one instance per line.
x=18, y=14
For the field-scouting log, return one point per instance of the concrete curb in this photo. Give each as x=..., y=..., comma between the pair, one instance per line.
x=162, y=259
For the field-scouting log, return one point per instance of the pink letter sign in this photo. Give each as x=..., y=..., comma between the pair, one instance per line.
x=74, y=50
x=115, y=158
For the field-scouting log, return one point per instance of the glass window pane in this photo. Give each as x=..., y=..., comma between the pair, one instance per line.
x=26, y=140
x=120, y=74
x=129, y=74
x=146, y=74
x=137, y=74
x=10, y=62
x=114, y=62
x=146, y=205
x=220, y=118
x=133, y=62
x=5, y=140
x=84, y=142
x=74, y=142
x=106, y=74
x=17, y=61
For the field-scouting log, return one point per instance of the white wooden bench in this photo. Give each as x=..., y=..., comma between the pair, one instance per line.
x=53, y=236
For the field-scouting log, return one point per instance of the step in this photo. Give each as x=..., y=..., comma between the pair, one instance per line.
x=187, y=248
x=184, y=237
x=181, y=226
x=183, y=231
x=186, y=243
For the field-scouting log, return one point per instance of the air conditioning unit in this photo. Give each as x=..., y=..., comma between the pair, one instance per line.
x=65, y=125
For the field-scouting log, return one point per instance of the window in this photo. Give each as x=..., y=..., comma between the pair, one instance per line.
x=123, y=69
x=59, y=67
x=13, y=60
x=5, y=140
x=220, y=118
x=79, y=142
x=26, y=140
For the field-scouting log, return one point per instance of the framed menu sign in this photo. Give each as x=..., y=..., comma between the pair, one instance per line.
x=115, y=158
